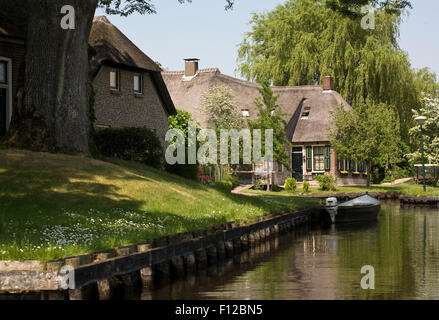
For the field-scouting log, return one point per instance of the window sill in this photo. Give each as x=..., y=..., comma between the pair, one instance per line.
x=139, y=95
x=114, y=91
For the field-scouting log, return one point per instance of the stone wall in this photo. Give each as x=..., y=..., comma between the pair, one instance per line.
x=97, y=275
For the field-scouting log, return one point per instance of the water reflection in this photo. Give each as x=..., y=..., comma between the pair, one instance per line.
x=402, y=246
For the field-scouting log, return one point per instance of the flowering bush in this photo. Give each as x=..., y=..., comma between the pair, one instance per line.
x=205, y=179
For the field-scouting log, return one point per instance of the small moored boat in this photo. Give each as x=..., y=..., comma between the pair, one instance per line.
x=363, y=208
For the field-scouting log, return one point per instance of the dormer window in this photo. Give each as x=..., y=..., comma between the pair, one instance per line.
x=306, y=112
x=245, y=113
x=114, y=80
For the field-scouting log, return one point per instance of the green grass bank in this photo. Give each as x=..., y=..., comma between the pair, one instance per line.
x=55, y=205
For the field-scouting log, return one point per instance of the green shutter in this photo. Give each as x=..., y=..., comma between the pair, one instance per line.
x=308, y=159
x=328, y=158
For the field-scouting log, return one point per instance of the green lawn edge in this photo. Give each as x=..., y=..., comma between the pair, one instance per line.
x=53, y=205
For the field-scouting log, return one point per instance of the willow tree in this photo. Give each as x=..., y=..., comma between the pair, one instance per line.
x=53, y=108
x=301, y=41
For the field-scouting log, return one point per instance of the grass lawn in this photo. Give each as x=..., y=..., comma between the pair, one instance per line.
x=409, y=188
x=58, y=205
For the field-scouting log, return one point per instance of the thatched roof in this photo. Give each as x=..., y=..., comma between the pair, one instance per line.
x=12, y=20
x=293, y=100
x=113, y=46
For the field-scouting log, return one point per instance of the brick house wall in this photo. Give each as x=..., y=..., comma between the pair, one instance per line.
x=124, y=108
x=348, y=179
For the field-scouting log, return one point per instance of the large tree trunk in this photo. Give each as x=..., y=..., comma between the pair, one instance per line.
x=53, y=112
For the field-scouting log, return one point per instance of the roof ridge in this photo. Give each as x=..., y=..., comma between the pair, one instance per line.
x=246, y=82
x=278, y=88
x=207, y=70
x=101, y=19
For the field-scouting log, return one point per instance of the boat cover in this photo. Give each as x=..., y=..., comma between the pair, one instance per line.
x=362, y=201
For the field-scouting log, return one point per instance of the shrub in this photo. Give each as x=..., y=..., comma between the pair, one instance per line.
x=305, y=186
x=377, y=175
x=180, y=121
x=275, y=188
x=188, y=171
x=136, y=144
x=259, y=185
x=290, y=185
x=326, y=182
x=224, y=185
x=232, y=179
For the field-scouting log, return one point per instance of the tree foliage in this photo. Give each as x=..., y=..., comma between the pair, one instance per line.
x=426, y=83
x=270, y=116
x=369, y=134
x=301, y=41
x=430, y=110
x=222, y=108
x=181, y=121
x=128, y=7
x=352, y=7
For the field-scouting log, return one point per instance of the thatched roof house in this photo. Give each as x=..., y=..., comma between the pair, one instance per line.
x=130, y=91
x=129, y=88
x=307, y=114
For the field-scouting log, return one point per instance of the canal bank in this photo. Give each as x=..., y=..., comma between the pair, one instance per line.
x=403, y=198
x=114, y=273
x=104, y=275
x=325, y=263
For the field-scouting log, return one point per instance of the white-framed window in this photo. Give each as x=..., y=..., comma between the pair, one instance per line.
x=245, y=113
x=114, y=80
x=5, y=94
x=138, y=83
x=319, y=158
x=3, y=72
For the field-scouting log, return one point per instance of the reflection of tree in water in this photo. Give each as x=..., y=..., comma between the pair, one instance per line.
x=326, y=263
x=403, y=253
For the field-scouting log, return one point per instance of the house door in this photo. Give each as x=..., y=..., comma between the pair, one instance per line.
x=298, y=166
x=3, y=106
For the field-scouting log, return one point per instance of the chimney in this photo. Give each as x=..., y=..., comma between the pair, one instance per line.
x=191, y=67
x=328, y=83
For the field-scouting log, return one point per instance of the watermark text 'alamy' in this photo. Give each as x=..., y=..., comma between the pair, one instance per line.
x=207, y=153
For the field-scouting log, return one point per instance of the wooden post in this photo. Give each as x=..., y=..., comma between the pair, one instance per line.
x=146, y=274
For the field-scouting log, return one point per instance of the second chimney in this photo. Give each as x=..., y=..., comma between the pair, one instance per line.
x=191, y=67
x=328, y=83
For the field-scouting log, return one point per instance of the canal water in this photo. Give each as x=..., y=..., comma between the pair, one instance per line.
x=325, y=263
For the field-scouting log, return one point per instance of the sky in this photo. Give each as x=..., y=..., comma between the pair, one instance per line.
x=203, y=29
